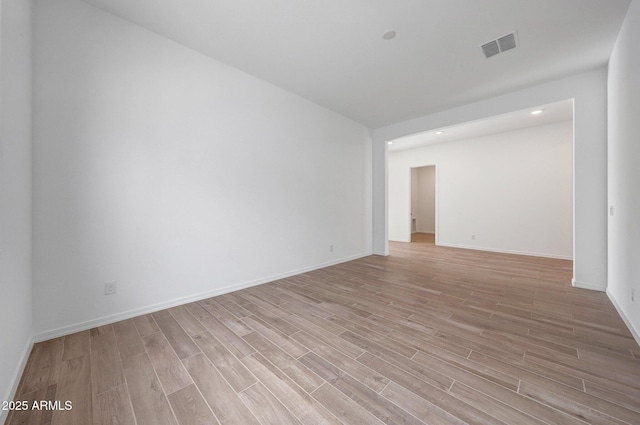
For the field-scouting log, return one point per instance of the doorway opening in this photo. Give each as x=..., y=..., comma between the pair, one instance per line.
x=423, y=204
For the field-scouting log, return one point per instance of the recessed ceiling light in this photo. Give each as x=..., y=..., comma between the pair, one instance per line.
x=539, y=111
x=440, y=132
x=389, y=143
x=388, y=35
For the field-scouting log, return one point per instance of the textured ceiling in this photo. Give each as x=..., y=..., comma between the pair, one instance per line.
x=332, y=52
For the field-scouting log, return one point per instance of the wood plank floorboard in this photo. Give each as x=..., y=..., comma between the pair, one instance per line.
x=190, y=408
x=74, y=385
x=149, y=402
x=294, y=397
x=427, y=335
x=113, y=407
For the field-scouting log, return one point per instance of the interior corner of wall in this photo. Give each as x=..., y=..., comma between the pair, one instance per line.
x=627, y=321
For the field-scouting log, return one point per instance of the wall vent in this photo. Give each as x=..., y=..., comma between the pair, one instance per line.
x=502, y=44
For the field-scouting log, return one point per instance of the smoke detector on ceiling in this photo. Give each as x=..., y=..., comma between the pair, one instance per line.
x=499, y=45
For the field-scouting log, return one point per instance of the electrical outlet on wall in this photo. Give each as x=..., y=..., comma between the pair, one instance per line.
x=473, y=237
x=330, y=248
x=110, y=287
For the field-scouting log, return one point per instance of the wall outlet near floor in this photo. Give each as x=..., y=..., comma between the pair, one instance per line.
x=330, y=248
x=473, y=237
x=110, y=287
x=633, y=294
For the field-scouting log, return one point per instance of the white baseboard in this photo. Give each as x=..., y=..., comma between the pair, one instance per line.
x=591, y=287
x=507, y=251
x=15, y=379
x=106, y=320
x=635, y=332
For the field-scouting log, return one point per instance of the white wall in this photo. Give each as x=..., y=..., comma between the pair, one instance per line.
x=512, y=190
x=624, y=171
x=176, y=175
x=15, y=193
x=589, y=92
x=426, y=210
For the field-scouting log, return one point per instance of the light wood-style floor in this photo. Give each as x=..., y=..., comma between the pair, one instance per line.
x=427, y=335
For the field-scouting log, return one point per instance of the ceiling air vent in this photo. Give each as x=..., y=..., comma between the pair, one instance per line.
x=490, y=49
x=502, y=44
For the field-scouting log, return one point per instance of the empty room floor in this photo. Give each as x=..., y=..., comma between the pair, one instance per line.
x=427, y=335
